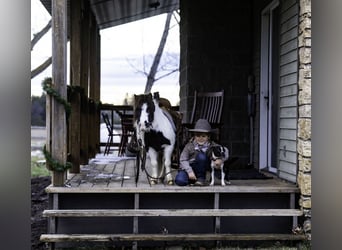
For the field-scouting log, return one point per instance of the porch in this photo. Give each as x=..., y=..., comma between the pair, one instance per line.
x=103, y=203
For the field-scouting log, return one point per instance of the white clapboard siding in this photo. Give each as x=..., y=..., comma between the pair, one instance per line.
x=288, y=144
x=288, y=90
x=289, y=79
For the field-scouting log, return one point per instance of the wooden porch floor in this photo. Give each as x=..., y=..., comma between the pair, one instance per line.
x=105, y=193
x=112, y=174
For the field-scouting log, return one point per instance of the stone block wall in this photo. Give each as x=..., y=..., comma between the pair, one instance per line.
x=304, y=111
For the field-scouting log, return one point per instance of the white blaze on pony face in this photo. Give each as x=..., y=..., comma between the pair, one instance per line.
x=143, y=123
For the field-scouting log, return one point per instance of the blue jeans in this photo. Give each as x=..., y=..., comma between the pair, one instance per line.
x=200, y=166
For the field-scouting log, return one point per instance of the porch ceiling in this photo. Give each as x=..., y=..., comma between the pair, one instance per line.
x=111, y=13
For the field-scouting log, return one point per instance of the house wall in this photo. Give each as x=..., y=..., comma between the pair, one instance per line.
x=288, y=90
x=288, y=85
x=258, y=6
x=304, y=111
x=299, y=86
x=216, y=53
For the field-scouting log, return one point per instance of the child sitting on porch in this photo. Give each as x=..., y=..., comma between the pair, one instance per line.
x=194, y=161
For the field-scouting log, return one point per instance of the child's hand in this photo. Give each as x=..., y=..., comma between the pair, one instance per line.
x=192, y=176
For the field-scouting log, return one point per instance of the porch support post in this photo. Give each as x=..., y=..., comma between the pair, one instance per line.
x=292, y=206
x=98, y=89
x=135, y=221
x=85, y=50
x=217, y=218
x=75, y=80
x=94, y=87
x=59, y=74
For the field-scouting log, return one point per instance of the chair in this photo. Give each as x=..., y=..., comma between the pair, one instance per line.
x=208, y=105
x=127, y=132
x=110, y=133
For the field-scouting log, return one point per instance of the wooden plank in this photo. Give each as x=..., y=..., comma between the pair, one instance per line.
x=290, y=35
x=290, y=134
x=288, y=101
x=93, y=85
x=273, y=185
x=289, y=11
x=242, y=188
x=289, y=68
x=288, y=167
x=166, y=237
x=59, y=83
x=292, y=206
x=288, y=46
x=218, y=218
x=288, y=94
x=288, y=90
x=288, y=57
x=85, y=39
x=287, y=123
x=289, y=145
x=289, y=24
x=288, y=177
x=289, y=79
x=285, y=5
x=170, y=212
x=48, y=127
x=288, y=112
x=97, y=90
x=288, y=156
x=75, y=80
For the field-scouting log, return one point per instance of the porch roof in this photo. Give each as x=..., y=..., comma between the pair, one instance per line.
x=109, y=13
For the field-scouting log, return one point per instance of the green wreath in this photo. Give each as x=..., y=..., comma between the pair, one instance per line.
x=54, y=164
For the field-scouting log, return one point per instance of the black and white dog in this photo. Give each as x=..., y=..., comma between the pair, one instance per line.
x=217, y=152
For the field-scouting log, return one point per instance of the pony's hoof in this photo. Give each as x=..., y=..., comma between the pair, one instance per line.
x=153, y=182
x=170, y=182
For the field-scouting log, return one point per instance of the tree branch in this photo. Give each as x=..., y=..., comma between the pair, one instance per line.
x=165, y=75
x=41, y=67
x=156, y=60
x=40, y=34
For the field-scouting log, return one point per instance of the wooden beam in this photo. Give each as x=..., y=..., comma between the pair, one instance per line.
x=145, y=188
x=98, y=84
x=171, y=212
x=84, y=157
x=75, y=80
x=93, y=86
x=167, y=237
x=59, y=74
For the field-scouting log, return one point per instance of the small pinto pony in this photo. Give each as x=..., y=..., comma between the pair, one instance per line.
x=157, y=132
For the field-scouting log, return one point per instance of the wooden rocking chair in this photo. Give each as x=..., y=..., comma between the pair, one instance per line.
x=209, y=106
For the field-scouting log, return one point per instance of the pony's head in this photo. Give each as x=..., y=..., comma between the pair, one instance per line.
x=144, y=111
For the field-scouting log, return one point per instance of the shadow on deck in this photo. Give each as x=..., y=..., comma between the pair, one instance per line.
x=117, y=174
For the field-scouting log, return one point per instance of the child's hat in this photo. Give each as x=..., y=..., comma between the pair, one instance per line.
x=202, y=125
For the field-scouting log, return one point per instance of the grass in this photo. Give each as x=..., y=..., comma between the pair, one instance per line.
x=38, y=169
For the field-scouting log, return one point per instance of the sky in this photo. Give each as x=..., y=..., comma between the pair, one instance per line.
x=121, y=47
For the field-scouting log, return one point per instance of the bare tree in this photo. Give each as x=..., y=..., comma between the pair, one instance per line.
x=41, y=67
x=36, y=37
x=155, y=67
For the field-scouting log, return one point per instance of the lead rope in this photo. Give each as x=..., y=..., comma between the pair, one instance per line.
x=142, y=156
